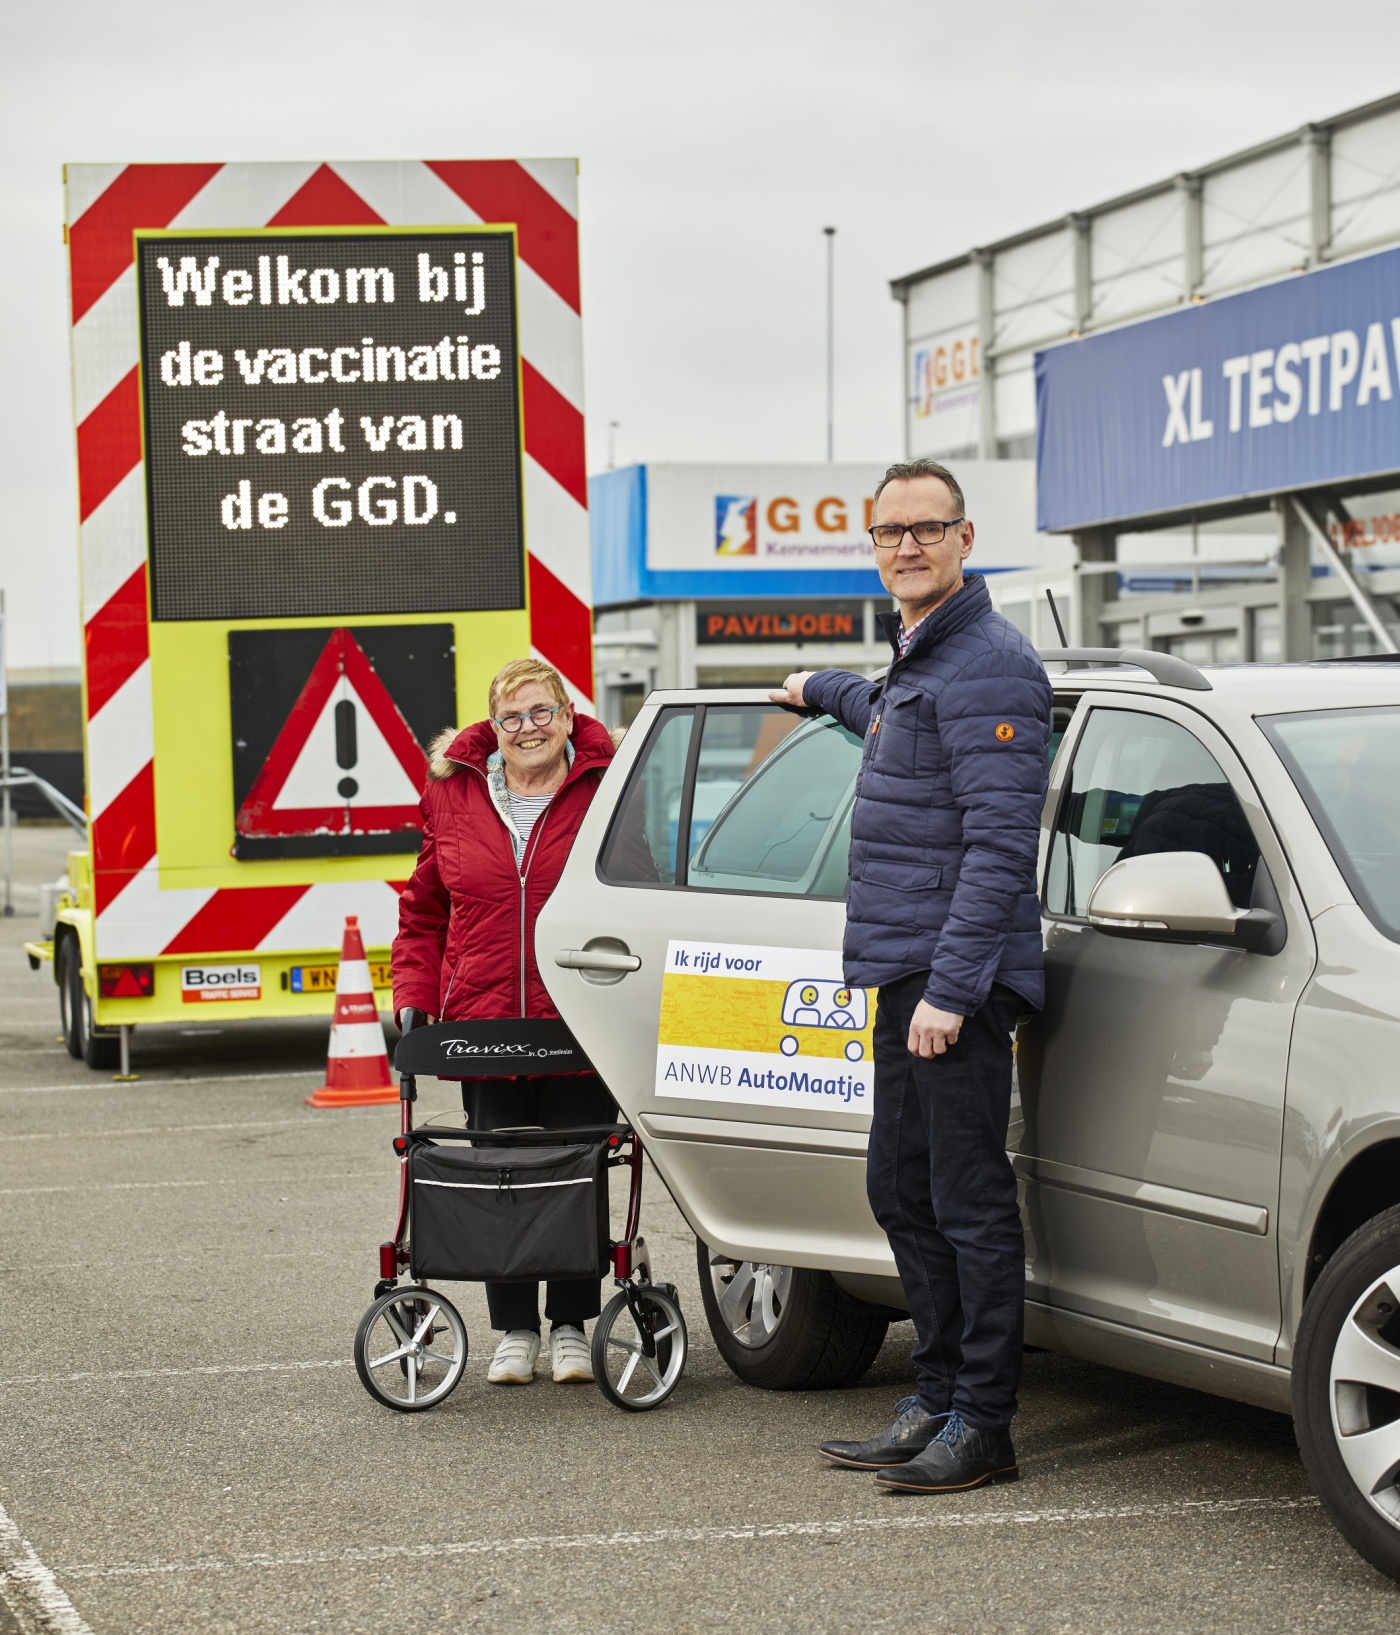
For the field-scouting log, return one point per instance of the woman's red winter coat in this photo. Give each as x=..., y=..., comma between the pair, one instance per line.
x=466, y=943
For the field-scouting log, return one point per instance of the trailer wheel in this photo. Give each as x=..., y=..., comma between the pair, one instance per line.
x=70, y=994
x=101, y=1051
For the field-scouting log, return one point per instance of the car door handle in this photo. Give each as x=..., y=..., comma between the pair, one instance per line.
x=596, y=959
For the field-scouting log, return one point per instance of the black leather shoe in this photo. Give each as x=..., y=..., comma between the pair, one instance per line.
x=913, y=1429
x=958, y=1458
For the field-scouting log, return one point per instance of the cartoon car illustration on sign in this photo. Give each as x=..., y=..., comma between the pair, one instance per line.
x=816, y=1004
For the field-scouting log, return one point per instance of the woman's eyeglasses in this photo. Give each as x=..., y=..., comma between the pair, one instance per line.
x=540, y=716
x=889, y=536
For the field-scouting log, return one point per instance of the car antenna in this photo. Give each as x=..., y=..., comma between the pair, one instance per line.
x=1055, y=615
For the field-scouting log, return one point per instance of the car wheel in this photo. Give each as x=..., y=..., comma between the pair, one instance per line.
x=70, y=994
x=1346, y=1390
x=787, y=1328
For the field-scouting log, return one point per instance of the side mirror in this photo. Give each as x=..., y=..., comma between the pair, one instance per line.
x=1178, y=897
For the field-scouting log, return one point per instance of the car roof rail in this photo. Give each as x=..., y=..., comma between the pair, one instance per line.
x=1164, y=667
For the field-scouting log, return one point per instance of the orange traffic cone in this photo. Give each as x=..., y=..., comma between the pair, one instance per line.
x=357, y=1065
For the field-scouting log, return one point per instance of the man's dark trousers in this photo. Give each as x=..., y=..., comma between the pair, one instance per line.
x=942, y=1187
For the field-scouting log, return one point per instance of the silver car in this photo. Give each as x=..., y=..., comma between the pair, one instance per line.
x=1208, y=1122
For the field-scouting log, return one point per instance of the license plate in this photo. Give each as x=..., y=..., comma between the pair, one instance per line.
x=201, y=983
x=321, y=978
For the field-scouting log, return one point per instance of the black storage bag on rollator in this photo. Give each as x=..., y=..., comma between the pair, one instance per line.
x=506, y=1214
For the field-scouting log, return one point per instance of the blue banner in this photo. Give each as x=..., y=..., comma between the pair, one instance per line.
x=1279, y=388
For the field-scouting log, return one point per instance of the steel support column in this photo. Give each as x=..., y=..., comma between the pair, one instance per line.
x=986, y=355
x=1093, y=591
x=1193, y=267
x=1083, y=272
x=1318, y=141
x=1359, y=593
x=1294, y=577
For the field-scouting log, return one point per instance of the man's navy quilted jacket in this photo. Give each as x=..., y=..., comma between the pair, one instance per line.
x=948, y=801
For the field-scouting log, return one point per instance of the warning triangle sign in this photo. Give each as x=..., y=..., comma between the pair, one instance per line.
x=346, y=762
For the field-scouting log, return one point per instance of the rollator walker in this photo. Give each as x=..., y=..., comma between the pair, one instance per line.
x=517, y=1203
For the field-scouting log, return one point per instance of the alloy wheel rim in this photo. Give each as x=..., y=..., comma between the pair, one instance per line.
x=752, y=1297
x=1364, y=1395
x=631, y=1371
x=408, y=1370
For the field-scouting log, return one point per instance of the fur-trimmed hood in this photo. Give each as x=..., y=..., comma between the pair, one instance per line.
x=465, y=946
x=474, y=746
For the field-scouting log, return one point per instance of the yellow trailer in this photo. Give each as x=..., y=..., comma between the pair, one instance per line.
x=308, y=432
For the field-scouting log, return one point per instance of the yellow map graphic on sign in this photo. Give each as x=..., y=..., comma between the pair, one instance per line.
x=808, y=1017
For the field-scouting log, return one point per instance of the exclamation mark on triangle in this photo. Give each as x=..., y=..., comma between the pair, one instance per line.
x=346, y=747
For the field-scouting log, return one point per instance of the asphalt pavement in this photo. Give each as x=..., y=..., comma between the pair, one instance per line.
x=185, y=1446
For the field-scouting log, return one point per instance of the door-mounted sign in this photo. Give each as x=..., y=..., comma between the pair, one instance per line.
x=329, y=729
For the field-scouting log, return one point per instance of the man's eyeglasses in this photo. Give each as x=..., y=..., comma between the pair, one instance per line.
x=889, y=536
x=540, y=716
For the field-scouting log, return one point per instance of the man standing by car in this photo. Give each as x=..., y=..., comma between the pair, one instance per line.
x=943, y=917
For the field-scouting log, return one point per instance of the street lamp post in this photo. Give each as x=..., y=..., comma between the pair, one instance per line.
x=830, y=343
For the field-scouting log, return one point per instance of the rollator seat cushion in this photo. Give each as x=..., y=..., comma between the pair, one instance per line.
x=514, y=1046
x=504, y=1213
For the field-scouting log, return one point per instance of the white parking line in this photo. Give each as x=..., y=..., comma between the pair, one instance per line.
x=48, y=1268
x=30, y=1590
x=853, y=1528
x=179, y=1373
x=153, y=1186
x=147, y=1080
x=309, y=1122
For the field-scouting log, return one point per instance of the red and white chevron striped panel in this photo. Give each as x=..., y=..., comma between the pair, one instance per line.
x=105, y=204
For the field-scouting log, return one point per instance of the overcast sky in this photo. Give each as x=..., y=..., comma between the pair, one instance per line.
x=716, y=138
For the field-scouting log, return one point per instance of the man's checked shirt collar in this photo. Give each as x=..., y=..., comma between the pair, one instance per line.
x=907, y=634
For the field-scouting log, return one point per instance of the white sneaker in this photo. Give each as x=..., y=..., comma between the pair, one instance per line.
x=572, y=1359
x=515, y=1359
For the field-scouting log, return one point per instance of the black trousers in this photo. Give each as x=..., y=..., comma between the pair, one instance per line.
x=554, y=1103
x=942, y=1187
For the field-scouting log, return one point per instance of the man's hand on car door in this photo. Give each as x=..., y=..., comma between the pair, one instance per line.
x=932, y=1030
x=791, y=690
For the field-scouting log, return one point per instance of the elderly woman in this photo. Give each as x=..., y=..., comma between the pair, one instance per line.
x=501, y=807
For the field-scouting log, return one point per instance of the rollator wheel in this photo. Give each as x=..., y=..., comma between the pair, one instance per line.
x=410, y=1349
x=627, y=1375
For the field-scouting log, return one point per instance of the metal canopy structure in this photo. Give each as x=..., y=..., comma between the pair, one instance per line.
x=1321, y=193
x=1189, y=287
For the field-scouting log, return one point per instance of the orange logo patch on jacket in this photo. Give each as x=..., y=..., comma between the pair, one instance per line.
x=1005, y=732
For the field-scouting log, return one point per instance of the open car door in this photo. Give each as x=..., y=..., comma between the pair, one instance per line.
x=693, y=947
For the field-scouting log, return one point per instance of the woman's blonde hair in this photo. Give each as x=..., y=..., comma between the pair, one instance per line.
x=517, y=673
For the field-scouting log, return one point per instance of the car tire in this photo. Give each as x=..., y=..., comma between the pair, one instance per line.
x=1346, y=1390
x=788, y=1328
x=70, y=994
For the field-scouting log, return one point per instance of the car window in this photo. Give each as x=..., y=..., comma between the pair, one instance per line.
x=762, y=796
x=1346, y=764
x=1140, y=784
x=1061, y=716
x=641, y=845
x=772, y=799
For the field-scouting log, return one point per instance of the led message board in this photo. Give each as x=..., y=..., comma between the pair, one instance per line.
x=332, y=423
